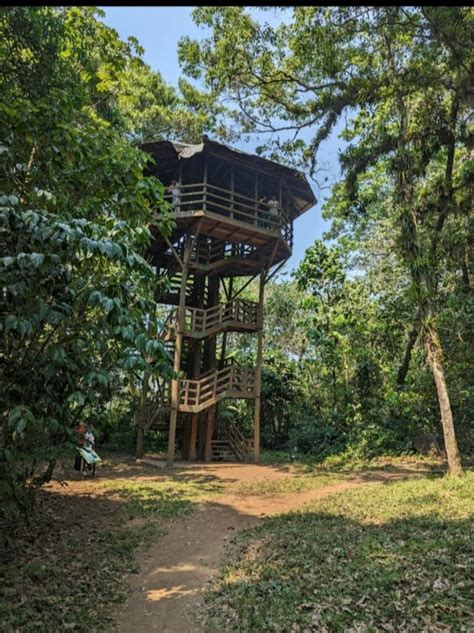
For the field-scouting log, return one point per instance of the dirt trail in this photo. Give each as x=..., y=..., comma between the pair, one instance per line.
x=166, y=595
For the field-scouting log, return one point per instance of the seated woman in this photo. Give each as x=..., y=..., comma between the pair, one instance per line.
x=87, y=453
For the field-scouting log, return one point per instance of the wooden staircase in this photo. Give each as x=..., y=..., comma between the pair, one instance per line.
x=242, y=447
x=232, y=381
x=222, y=451
x=238, y=315
x=196, y=395
x=233, y=446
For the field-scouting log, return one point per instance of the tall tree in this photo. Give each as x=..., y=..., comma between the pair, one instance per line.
x=74, y=215
x=402, y=76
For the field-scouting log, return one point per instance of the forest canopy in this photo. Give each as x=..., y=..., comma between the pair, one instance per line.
x=400, y=78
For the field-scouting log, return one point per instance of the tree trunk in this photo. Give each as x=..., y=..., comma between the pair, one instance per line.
x=405, y=366
x=141, y=418
x=45, y=478
x=140, y=437
x=434, y=355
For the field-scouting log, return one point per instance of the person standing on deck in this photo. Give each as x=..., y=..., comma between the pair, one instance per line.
x=274, y=211
x=175, y=190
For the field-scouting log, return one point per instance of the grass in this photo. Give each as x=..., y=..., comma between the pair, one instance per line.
x=167, y=499
x=71, y=560
x=296, y=482
x=345, y=464
x=384, y=557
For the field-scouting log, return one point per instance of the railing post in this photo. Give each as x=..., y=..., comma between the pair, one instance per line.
x=198, y=393
x=177, y=356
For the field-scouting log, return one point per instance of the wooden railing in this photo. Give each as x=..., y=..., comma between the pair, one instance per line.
x=232, y=380
x=157, y=403
x=234, y=205
x=236, y=311
x=200, y=321
x=242, y=447
x=205, y=253
x=218, y=250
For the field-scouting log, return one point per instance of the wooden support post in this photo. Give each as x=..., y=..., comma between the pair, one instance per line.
x=209, y=430
x=177, y=353
x=180, y=184
x=143, y=422
x=258, y=369
x=191, y=453
x=257, y=206
x=192, y=438
x=201, y=435
x=280, y=199
x=186, y=434
x=232, y=189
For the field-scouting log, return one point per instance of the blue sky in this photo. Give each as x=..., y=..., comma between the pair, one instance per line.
x=158, y=30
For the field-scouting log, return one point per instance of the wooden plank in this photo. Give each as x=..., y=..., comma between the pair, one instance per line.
x=192, y=438
x=258, y=370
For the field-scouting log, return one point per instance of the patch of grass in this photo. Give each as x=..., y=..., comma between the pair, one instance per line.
x=291, y=484
x=164, y=499
x=391, y=557
x=345, y=463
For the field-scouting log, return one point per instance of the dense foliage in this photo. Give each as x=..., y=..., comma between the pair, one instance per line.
x=401, y=80
x=74, y=212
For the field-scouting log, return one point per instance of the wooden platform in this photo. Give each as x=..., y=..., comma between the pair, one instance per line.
x=227, y=229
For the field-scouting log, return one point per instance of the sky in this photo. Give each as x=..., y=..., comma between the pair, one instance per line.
x=158, y=29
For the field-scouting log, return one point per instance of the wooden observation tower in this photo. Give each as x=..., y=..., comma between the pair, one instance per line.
x=234, y=218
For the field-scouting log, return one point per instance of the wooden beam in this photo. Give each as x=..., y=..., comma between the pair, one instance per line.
x=177, y=353
x=274, y=272
x=227, y=296
x=258, y=369
x=180, y=261
x=232, y=189
x=245, y=285
x=204, y=199
x=209, y=430
x=192, y=438
x=191, y=456
x=200, y=436
x=272, y=256
x=186, y=437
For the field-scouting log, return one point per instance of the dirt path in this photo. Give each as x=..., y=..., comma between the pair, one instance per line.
x=166, y=595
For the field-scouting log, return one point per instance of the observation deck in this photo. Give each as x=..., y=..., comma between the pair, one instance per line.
x=224, y=194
